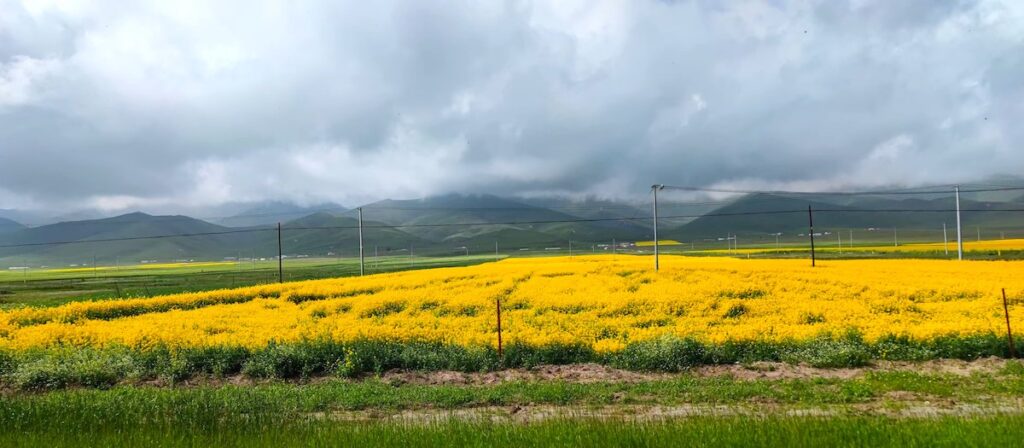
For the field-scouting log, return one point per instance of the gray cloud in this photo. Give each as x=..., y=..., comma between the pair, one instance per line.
x=152, y=104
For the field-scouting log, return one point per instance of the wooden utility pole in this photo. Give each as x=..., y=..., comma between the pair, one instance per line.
x=280, y=256
x=1009, y=333
x=810, y=223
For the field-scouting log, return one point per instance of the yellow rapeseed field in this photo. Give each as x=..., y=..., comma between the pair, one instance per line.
x=605, y=301
x=147, y=266
x=831, y=246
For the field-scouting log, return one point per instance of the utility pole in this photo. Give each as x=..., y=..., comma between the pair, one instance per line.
x=655, y=189
x=945, y=239
x=280, y=257
x=959, y=229
x=362, y=256
x=810, y=223
x=776, y=240
x=895, y=240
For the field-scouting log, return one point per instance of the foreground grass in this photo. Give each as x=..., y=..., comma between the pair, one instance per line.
x=62, y=367
x=776, y=431
x=282, y=414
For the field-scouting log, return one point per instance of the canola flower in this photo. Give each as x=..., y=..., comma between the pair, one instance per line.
x=602, y=301
x=147, y=266
x=660, y=242
x=828, y=245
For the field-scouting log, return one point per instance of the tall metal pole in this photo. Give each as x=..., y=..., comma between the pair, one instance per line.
x=959, y=229
x=280, y=257
x=362, y=257
x=945, y=239
x=655, y=189
x=810, y=223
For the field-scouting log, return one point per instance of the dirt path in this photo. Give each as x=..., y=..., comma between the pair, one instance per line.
x=535, y=413
x=591, y=373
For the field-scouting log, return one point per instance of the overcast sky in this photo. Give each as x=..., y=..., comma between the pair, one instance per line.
x=144, y=104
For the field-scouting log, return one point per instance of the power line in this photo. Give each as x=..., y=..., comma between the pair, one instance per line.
x=838, y=193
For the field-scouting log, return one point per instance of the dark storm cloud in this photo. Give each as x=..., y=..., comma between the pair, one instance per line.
x=150, y=104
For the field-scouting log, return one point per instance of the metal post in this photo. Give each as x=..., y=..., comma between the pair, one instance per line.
x=655, y=189
x=280, y=257
x=810, y=223
x=945, y=239
x=959, y=229
x=362, y=256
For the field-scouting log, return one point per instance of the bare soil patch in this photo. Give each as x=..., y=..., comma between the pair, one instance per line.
x=591, y=373
x=536, y=413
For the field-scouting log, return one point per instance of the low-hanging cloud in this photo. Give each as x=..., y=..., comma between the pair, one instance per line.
x=145, y=104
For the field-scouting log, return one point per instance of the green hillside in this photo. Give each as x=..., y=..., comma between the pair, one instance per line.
x=461, y=220
x=761, y=214
x=8, y=225
x=32, y=243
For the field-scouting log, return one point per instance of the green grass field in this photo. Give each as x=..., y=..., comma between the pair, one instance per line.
x=49, y=287
x=876, y=408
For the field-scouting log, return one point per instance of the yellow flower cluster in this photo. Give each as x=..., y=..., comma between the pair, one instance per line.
x=830, y=245
x=605, y=301
x=148, y=266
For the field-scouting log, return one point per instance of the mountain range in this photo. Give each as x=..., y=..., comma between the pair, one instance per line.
x=451, y=224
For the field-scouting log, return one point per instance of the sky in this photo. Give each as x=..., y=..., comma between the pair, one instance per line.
x=146, y=105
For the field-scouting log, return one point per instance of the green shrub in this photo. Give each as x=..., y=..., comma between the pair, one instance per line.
x=848, y=351
x=668, y=354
